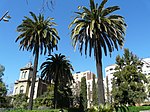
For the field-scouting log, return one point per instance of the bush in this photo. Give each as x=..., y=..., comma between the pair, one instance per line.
x=138, y=108
x=22, y=110
x=101, y=108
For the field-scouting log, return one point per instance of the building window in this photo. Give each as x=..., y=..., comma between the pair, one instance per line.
x=148, y=66
x=16, y=90
x=21, y=89
x=24, y=74
x=111, y=69
x=107, y=70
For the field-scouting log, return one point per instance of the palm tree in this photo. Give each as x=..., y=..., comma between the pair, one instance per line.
x=57, y=69
x=37, y=35
x=99, y=30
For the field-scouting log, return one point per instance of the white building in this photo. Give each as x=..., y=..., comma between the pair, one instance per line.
x=146, y=66
x=89, y=79
x=109, y=71
x=23, y=85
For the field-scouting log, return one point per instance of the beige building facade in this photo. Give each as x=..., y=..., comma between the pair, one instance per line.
x=23, y=85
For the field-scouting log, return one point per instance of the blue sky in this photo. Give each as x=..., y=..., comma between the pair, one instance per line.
x=137, y=17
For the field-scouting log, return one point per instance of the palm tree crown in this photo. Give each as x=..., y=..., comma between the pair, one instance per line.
x=57, y=65
x=37, y=34
x=97, y=28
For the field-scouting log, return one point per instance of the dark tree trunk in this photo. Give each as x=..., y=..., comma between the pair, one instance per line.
x=98, y=55
x=33, y=81
x=55, y=92
x=101, y=97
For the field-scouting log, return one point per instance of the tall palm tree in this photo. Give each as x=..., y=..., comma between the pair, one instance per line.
x=99, y=30
x=38, y=36
x=57, y=69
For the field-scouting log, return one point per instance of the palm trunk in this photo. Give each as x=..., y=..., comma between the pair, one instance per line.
x=33, y=81
x=55, y=92
x=101, y=97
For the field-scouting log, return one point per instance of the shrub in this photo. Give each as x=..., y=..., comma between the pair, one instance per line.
x=101, y=108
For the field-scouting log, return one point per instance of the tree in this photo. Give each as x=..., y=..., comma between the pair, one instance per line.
x=128, y=81
x=57, y=69
x=148, y=86
x=37, y=35
x=3, y=92
x=46, y=99
x=2, y=69
x=3, y=89
x=65, y=97
x=97, y=29
x=94, y=90
x=20, y=101
x=107, y=90
x=83, y=92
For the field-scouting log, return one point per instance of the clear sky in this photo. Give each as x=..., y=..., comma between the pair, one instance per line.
x=137, y=17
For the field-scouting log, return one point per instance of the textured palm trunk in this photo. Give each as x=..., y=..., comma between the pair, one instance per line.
x=33, y=81
x=101, y=97
x=55, y=92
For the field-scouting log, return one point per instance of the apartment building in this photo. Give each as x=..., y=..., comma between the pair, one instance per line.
x=89, y=79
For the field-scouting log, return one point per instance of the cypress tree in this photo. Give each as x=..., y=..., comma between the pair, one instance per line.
x=107, y=90
x=83, y=92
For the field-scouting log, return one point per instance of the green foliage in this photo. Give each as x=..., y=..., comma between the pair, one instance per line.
x=138, y=108
x=101, y=108
x=49, y=110
x=93, y=109
x=3, y=89
x=95, y=92
x=107, y=90
x=83, y=92
x=121, y=108
x=128, y=82
x=20, y=101
x=148, y=86
x=65, y=97
x=2, y=68
x=31, y=30
x=46, y=100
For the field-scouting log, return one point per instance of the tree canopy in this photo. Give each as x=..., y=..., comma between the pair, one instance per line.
x=3, y=89
x=128, y=81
